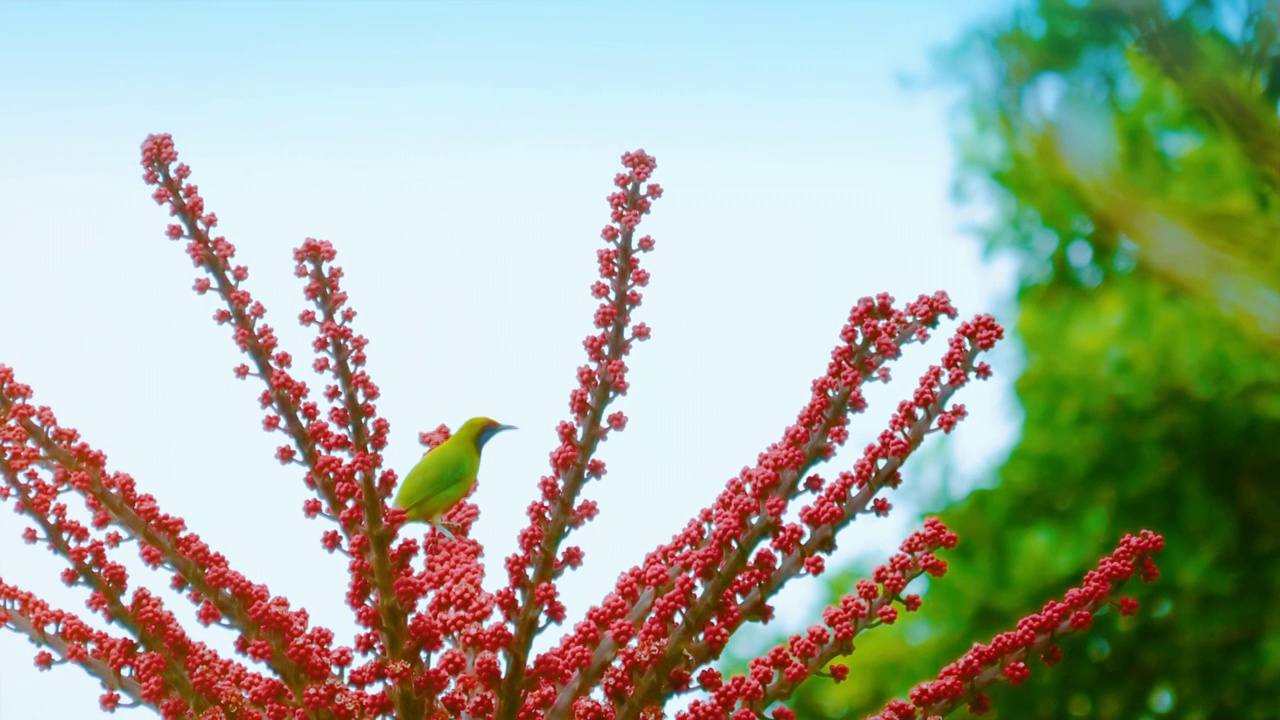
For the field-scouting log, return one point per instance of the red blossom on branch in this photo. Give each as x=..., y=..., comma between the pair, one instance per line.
x=434, y=643
x=1036, y=635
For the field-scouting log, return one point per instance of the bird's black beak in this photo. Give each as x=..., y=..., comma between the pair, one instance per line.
x=490, y=431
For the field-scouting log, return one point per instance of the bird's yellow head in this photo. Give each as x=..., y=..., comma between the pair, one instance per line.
x=480, y=429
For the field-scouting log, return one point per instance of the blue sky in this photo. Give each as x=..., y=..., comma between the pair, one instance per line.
x=458, y=155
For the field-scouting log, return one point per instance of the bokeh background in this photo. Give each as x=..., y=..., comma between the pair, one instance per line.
x=1103, y=177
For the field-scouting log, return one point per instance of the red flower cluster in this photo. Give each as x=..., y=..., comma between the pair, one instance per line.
x=964, y=681
x=776, y=675
x=434, y=643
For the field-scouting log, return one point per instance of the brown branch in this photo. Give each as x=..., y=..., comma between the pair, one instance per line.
x=822, y=539
x=109, y=678
x=174, y=674
x=230, y=606
x=695, y=617
x=394, y=626
x=527, y=620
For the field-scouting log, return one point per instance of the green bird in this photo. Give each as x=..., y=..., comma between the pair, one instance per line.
x=446, y=473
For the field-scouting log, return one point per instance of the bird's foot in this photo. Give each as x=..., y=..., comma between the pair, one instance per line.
x=443, y=530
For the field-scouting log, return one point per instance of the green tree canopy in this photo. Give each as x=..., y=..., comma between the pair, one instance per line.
x=1132, y=152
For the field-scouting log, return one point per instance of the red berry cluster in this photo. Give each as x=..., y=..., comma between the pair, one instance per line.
x=964, y=681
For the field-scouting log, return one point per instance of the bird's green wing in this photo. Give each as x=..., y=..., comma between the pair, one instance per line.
x=439, y=480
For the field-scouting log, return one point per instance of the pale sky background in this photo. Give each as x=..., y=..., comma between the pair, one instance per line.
x=459, y=155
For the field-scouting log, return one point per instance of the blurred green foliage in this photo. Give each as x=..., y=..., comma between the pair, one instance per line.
x=1132, y=150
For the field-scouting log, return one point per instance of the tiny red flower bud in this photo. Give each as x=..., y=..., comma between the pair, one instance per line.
x=1082, y=620
x=44, y=660
x=1017, y=672
x=814, y=565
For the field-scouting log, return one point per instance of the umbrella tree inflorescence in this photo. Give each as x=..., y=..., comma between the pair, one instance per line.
x=434, y=641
